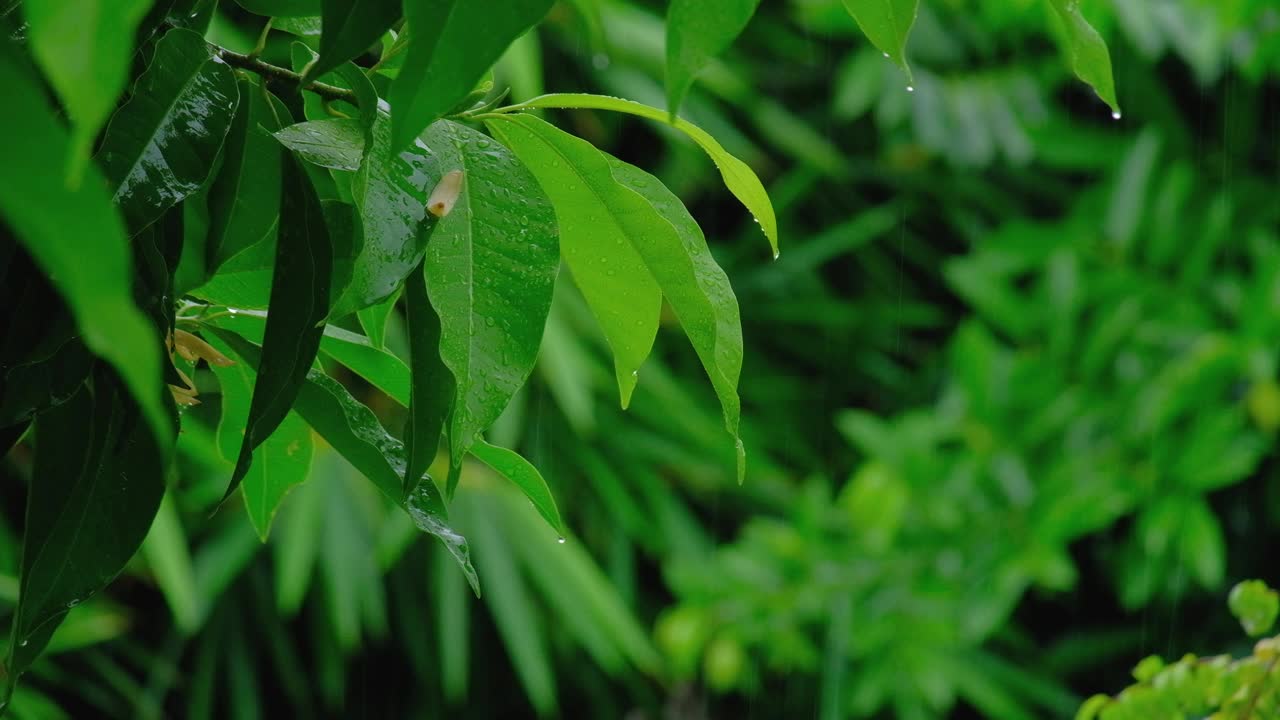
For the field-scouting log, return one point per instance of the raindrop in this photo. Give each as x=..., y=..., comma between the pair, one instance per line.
x=72, y=604
x=910, y=89
x=886, y=54
x=559, y=540
x=1115, y=115
x=231, y=310
x=23, y=643
x=482, y=143
x=776, y=254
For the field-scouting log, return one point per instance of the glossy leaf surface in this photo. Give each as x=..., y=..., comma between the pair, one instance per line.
x=349, y=28
x=433, y=385
x=523, y=475
x=336, y=143
x=244, y=199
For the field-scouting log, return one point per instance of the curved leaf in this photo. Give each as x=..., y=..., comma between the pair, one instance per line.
x=454, y=43
x=300, y=301
x=1090, y=60
x=76, y=237
x=523, y=475
x=84, y=50
x=373, y=319
x=433, y=384
x=161, y=145
x=348, y=28
x=597, y=242
x=281, y=8
x=738, y=177
x=336, y=143
x=244, y=199
x=887, y=24
x=490, y=268
x=697, y=31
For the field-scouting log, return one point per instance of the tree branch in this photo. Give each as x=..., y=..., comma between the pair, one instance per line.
x=275, y=72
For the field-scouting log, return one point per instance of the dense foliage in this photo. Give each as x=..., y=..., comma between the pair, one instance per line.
x=1008, y=394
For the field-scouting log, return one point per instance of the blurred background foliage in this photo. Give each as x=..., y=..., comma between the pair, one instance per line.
x=1010, y=399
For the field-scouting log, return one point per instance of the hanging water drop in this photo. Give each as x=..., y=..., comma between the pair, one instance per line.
x=560, y=539
x=886, y=55
x=1115, y=115
x=910, y=88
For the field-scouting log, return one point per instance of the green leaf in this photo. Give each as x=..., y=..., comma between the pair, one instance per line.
x=95, y=488
x=244, y=281
x=84, y=48
x=391, y=195
x=1090, y=60
x=373, y=319
x=738, y=177
x=281, y=8
x=354, y=431
x=77, y=238
x=299, y=302
x=887, y=24
x=244, y=199
x=697, y=31
x=348, y=29
x=1255, y=605
x=280, y=463
x=304, y=26
x=490, y=269
x=161, y=145
x=599, y=244
x=454, y=43
x=336, y=143
x=523, y=475
x=433, y=384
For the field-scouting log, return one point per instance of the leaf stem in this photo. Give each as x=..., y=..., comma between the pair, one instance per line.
x=275, y=72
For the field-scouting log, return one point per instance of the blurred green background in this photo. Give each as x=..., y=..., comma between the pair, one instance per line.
x=1010, y=399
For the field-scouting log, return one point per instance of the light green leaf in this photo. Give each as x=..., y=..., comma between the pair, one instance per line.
x=1090, y=60
x=490, y=270
x=454, y=43
x=373, y=319
x=77, y=238
x=523, y=475
x=244, y=199
x=348, y=29
x=887, y=24
x=84, y=48
x=597, y=245
x=169, y=558
x=161, y=145
x=433, y=384
x=739, y=178
x=1255, y=605
x=336, y=143
x=697, y=31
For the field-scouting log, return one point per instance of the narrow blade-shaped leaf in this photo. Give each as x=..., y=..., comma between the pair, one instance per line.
x=336, y=143
x=887, y=24
x=354, y=431
x=84, y=51
x=299, y=302
x=244, y=199
x=697, y=31
x=738, y=177
x=1090, y=59
x=95, y=488
x=348, y=28
x=490, y=269
x=454, y=43
x=523, y=475
x=161, y=145
x=622, y=294
x=77, y=238
x=433, y=384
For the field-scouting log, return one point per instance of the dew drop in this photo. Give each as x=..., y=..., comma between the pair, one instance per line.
x=559, y=540
x=776, y=254
x=1115, y=115
x=23, y=643
x=910, y=89
x=886, y=54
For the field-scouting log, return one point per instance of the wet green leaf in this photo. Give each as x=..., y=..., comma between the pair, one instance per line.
x=523, y=475
x=161, y=145
x=490, y=267
x=454, y=43
x=244, y=199
x=336, y=143
x=96, y=485
x=433, y=384
x=1090, y=60
x=76, y=237
x=300, y=301
x=373, y=319
x=697, y=31
x=281, y=8
x=1255, y=605
x=84, y=48
x=738, y=177
x=349, y=28
x=887, y=24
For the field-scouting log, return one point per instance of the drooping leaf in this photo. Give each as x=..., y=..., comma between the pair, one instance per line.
x=354, y=431
x=281, y=8
x=84, y=50
x=348, y=28
x=887, y=24
x=95, y=488
x=697, y=31
x=738, y=177
x=523, y=475
x=597, y=245
x=490, y=268
x=76, y=238
x=373, y=319
x=299, y=302
x=390, y=193
x=244, y=199
x=1090, y=59
x=280, y=463
x=336, y=143
x=454, y=43
x=432, y=389
x=161, y=145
